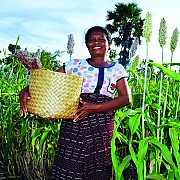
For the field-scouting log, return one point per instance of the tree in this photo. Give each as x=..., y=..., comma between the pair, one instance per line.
x=126, y=25
x=13, y=48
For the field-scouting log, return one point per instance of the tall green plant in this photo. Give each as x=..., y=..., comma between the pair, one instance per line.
x=162, y=42
x=173, y=45
x=27, y=143
x=140, y=161
x=136, y=144
x=147, y=32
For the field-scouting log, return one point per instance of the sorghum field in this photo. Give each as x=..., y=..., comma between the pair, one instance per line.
x=146, y=138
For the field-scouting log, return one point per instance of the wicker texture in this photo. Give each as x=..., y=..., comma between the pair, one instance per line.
x=53, y=94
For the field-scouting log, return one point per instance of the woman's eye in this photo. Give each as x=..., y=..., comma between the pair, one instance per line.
x=102, y=39
x=91, y=40
x=98, y=39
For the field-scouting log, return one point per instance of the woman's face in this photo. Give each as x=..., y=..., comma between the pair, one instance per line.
x=97, y=44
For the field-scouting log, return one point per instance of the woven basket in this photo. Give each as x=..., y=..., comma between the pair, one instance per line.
x=53, y=94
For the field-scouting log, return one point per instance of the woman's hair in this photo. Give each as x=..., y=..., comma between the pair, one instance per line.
x=98, y=28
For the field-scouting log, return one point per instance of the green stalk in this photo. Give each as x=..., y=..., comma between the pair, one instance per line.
x=143, y=106
x=147, y=32
x=165, y=102
x=160, y=94
x=173, y=45
x=159, y=118
x=144, y=93
x=162, y=41
x=177, y=106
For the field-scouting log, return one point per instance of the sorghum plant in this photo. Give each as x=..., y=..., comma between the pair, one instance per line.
x=70, y=45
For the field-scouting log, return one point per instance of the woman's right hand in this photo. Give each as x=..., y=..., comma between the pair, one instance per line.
x=24, y=96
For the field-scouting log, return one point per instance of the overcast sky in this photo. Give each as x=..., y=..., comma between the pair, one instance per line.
x=46, y=24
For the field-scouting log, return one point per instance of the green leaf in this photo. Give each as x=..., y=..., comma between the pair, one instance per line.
x=171, y=174
x=134, y=123
x=142, y=150
x=150, y=123
x=155, y=177
x=139, y=165
x=174, y=124
x=165, y=153
x=132, y=112
x=133, y=154
x=24, y=129
x=43, y=137
x=175, y=143
x=122, y=137
x=35, y=136
x=125, y=163
x=167, y=71
x=156, y=106
x=115, y=157
x=17, y=39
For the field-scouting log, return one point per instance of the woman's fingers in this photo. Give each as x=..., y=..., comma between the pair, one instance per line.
x=80, y=116
x=82, y=112
x=23, y=110
x=24, y=97
x=23, y=107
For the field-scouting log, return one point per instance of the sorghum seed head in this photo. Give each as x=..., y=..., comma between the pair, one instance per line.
x=162, y=32
x=147, y=27
x=70, y=44
x=174, y=40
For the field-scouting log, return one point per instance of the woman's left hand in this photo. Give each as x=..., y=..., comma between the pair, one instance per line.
x=85, y=110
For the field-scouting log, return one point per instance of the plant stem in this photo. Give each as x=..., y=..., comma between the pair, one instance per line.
x=144, y=93
x=177, y=106
x=160, y=94
x=143, y=104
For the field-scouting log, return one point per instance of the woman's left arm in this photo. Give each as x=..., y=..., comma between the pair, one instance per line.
x=123, y=99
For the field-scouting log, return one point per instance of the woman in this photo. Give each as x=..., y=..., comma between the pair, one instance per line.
x=83, y=150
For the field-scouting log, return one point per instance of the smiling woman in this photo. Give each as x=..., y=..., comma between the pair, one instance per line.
x=84, y=146
x=83, y=150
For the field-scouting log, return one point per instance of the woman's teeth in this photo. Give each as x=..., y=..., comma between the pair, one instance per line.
x=96, y=47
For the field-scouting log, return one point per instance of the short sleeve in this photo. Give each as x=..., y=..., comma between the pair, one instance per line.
x=120, y=72
x=72, y=66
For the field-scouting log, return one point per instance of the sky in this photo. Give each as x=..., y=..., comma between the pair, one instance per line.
x=46, y=24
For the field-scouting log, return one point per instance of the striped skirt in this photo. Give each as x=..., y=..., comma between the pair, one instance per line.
x=83, y=151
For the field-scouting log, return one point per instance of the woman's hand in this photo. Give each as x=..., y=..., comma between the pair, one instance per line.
x=24, y=97
x=122, y=100
x=85, y=110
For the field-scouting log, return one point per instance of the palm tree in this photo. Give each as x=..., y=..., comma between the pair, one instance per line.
x=126, y=25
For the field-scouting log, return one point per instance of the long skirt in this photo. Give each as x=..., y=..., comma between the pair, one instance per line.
x=83, y=150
